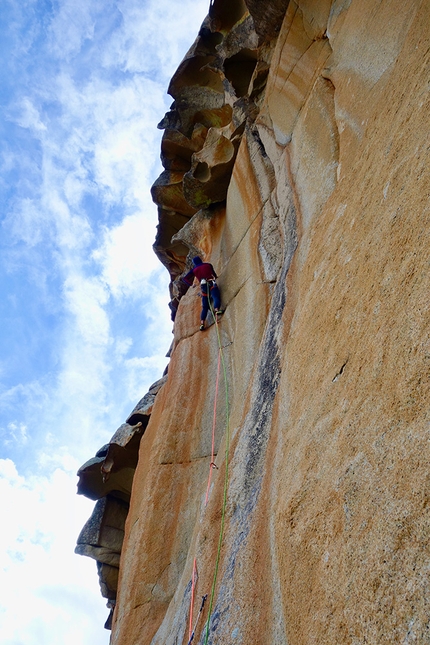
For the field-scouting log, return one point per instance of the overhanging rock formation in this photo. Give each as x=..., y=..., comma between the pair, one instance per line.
x=108, y=478
x=296, y=160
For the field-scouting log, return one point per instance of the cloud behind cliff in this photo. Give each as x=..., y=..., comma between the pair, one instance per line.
x=85, y=323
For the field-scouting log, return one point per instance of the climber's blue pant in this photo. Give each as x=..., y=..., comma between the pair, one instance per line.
x=214, y=295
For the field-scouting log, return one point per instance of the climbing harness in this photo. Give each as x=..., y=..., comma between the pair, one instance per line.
x=206, y=288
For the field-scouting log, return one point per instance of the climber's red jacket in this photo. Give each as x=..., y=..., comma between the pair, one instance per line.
x=204, y=271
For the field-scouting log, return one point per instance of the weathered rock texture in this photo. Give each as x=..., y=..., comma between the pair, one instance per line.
x=108, y=478
x=296, y=160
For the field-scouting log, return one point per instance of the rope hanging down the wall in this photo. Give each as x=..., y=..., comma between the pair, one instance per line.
x=224, y=501
x=212, y=464
x=221, y=361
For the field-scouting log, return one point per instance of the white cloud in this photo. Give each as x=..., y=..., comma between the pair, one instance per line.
x=29, y=117
x=161, y=27
x=79, y=229
x=26, y=222
x=85, y=299
x=124, y=150
x=44, y=517
x=148, y=368
x=104, y=146
x=126, y=256
x=72, y=24
x=101, y=144
x=17, y=433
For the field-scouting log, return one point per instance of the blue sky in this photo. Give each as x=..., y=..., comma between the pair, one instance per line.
x=84, y=319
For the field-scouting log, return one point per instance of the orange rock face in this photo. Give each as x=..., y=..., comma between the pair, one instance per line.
x=316, y=530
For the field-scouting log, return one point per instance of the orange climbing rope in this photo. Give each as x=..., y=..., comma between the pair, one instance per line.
x=226, y=478
x=221, y=361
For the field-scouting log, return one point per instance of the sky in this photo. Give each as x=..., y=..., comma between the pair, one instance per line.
x=85, y=325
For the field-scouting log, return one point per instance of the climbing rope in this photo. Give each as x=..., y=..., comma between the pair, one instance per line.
x=221, y=361
x=212, y=464
x=224, y=502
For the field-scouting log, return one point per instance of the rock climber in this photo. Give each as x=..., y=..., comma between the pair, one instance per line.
x=205, y=274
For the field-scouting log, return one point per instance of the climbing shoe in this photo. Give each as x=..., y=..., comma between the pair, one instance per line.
x=219, y=312
x=202, y=327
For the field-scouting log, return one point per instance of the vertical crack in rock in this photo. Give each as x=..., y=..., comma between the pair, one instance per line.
x=248, y=465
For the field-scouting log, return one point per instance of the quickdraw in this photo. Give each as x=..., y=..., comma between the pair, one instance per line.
x=197, y=619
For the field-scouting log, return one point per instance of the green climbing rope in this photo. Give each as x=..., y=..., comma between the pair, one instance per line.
x=224, y=503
